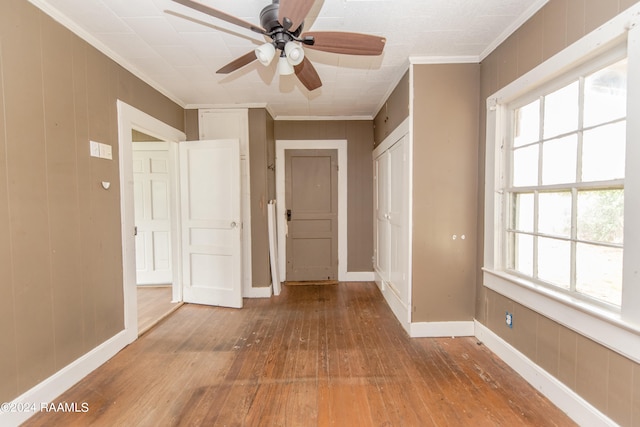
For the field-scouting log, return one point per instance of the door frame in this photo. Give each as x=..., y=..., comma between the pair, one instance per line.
x=332, y=144
x=130, y=118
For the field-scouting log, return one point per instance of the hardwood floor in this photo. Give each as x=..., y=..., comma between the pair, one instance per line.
x=313, y=356
x=154, y=304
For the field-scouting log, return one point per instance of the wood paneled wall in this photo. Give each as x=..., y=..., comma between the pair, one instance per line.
x=605, y=379
x=394, y=110
x=261, y=155
x=60, y=248
x=445, y=158
x=359, y=136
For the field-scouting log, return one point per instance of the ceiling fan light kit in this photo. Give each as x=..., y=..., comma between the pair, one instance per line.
x=283, y=21
x=284, y=67
x=265, y=53
x=294, y=53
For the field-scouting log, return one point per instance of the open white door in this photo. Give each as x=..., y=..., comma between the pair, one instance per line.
x=211, y=224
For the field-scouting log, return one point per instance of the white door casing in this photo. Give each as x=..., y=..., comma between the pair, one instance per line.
x=130, y=118
x=152, y=197
x=211, y=222
x=341, y=146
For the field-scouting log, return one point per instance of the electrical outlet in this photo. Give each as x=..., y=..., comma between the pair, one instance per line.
x=508, y=318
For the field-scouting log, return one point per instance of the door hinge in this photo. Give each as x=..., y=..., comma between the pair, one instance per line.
x=135, y=230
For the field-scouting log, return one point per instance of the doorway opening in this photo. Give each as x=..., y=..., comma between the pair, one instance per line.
x=132, y=124
x=152, y=182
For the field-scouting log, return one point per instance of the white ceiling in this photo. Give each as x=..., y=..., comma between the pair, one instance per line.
x=177, y=50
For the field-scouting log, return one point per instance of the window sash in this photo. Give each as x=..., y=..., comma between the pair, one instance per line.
x=618, y=330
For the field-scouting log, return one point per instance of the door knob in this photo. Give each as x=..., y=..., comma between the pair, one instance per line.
x=233, y=224
x=288, y=214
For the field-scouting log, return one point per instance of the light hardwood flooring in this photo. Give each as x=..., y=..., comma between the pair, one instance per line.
x=154, y=304
x=313, y=356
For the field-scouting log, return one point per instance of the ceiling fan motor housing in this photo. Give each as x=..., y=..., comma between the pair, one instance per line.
x=269, y=21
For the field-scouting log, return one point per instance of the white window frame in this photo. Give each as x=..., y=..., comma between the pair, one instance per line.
x=617, y=330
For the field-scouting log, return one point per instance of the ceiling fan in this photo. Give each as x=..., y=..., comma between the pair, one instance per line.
x=283, y=22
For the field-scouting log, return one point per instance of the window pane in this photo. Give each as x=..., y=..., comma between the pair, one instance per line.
x=559, y=158
x=603, y=152
x=554, y=261
x=605, y=94
x=523, y=253
x=601, y=215
x=525, y=166
x=599, y=272
x=527, y=124
x=554, y=213
x=561, y=111
x=523, y=212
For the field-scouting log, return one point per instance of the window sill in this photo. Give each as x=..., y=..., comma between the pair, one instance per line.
x=604, y=327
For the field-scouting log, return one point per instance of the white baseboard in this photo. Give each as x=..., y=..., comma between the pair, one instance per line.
x=261, y=292
x=360, y=276
x=581, y=411
x=65, y=378
x=442, y=329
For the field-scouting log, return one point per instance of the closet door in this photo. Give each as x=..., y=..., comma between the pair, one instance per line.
x=382, y=229
x=397, y=219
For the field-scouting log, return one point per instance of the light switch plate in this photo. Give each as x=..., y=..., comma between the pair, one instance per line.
x=94, y=149
x=105, y=152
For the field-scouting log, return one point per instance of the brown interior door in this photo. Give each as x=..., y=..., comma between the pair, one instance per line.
x=311, y=197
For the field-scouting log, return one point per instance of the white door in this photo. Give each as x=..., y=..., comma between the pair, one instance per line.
x=382, y=230
x=151, y=184
x=211, y=222
x=397, y=194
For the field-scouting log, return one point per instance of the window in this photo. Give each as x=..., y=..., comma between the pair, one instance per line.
x=565, y=196
x=562, y=187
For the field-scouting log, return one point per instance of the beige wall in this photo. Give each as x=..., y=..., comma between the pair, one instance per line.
x=445, y=158
x=393, y=112
x=605, y=379
x=261, y=155
x=359, y=136
x=60, y=249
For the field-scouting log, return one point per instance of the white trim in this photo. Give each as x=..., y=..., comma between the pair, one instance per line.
x=526, y=15
x=46, y=7
x=603, y=327
x=240, y=106
x=331, y=144
x=562, y=396
x=49, y=389
x=131, y=118
x=442, y=329
x=631, y=255
x=321, y=118
x=261, y=292
x=399, y=308
x=430, y=60
x=360, y=276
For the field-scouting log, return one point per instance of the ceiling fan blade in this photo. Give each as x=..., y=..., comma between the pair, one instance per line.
x=238, y=63
x=308, y=75
x=221, y=15
x=347, y=43
x=295, y=11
